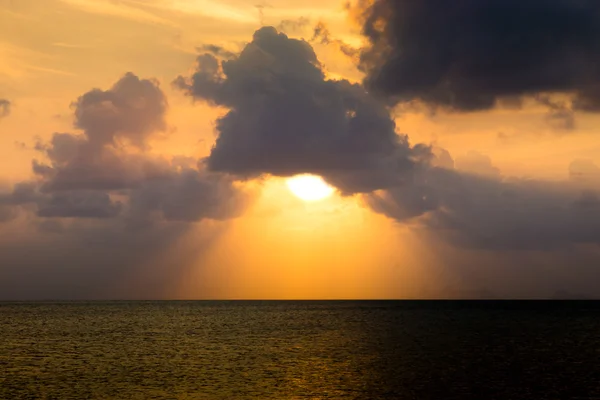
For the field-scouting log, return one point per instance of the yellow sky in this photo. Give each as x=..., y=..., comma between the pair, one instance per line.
x=51, y=54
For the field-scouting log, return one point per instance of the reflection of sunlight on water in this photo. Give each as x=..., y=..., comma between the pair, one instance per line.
x=329, y=375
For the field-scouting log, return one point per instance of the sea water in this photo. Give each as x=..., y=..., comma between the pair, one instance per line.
x=300, y=350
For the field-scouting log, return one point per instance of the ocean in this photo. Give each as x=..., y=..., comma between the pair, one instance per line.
x=300, y=350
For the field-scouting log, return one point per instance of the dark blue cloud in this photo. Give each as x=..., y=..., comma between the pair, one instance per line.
x=467, y=55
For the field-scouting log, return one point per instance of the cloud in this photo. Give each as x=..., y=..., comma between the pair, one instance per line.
x=321, y=34
x=79, y=204
x=588, y=200
x=470, y=56
x=97, y=259
x=293, y=25
x=75, y=163
x=477, y=164
x=442, y=158
x=107, y=218
x=214, y=197
x=4, y=108
x=7, y=213
x=133, y=109
x=105, y=171
x=286, y=118
x=128, y=114
x=560, y=116
x=22, y=192
x=215, y=50
x=484, y=212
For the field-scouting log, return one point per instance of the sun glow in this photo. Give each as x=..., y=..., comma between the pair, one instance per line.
x=309, y=187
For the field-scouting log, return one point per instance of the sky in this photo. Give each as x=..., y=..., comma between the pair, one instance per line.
x=148, y=148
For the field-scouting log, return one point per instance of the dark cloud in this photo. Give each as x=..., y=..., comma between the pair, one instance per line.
x=261, y=11
x=132, y=110
x=588, y=200
x=4, y=108
x=470, y=55
x=560, y=115
x=78, y=164
x=477, y=164
x=22, y=192
x=293, y=25
x=442, y=158
x=286, y=118
x=215, y=197
x=79, y=204
x=51, y=225
x=482, y=212
x=7, y=213
x=215, y=50
x=321, y=34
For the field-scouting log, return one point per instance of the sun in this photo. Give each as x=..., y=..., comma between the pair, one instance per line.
x=309, y=187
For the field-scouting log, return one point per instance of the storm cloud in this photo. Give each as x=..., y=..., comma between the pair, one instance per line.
x=285, y=117
x=477, y=164
x=469, y=55
x=560, y=115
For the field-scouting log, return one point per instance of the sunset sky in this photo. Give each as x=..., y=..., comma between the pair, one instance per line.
x=147, y=148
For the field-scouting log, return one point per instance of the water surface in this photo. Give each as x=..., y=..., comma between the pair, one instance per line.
x=300, y=350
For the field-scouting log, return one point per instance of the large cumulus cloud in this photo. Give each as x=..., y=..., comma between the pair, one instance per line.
x=285, y=117
x=468, y=55
x=99, y=173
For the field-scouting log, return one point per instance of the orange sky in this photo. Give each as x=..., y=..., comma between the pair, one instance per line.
x=280, y=247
